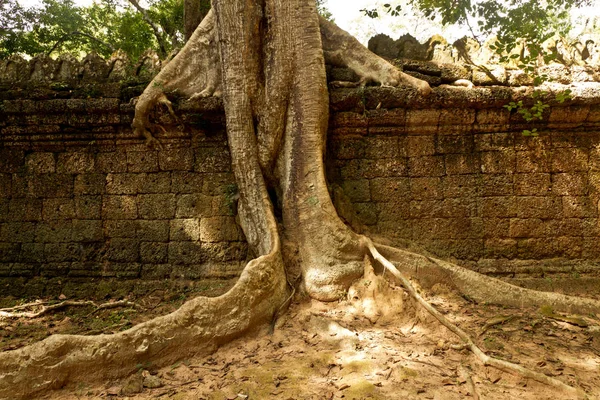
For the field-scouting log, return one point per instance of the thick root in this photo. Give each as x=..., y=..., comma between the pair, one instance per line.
x=467, y=340
x=194, y=72
x=481, y=288
x=343, y=50
x=199, y=326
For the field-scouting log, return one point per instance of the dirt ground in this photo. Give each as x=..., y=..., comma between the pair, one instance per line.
x=341, y=350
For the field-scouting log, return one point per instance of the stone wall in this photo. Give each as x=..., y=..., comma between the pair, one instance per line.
x=453, y=175
x=82, y=198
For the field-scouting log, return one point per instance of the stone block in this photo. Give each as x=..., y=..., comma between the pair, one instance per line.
x=532, y=184
x=156, y=206
x=40, y=163
x=498, y=162
x=377, y=147
x=533, y=161
x=423, y=118
x=51, y=185
x=532, y=228
x=219, y=229
x=538, y=207
x=349, y=119
x=153, y=230
x=579, y=207
x=460, y=186
x=455, y=144
x=159, y=182
x=426, y=166
x=5, y=185
x=426, y=209
x=11, y=160
x=119, y=207
x=123, y=250
x=90, y=183
x=120, y=228
x=176, y=160
x=568, y=115
x=185, y=229
x=494, y=142
x=426, y=188
x=153, y=252
x=535, y=249
x=576, y=227
x=31, y=253
x=496, y=227
x=365, y=213
x=75, y=163
x=86, y=230
x=496, y=207
x=492, y=116
x=61, y=208
x=126, y=183
x=92, y=251
x=53, y=231
x=500, y=248
x=151, y=271
x=495, y=185
x=186, y=182
x=457, y=116
x=4, y=207
x=88, y=207
x=386, y=117
x=194, y=206
x=142, y=161
x=112, y=162
x=389, y=189
x=217, y=183
x=569, y=184
x=457, y=164
x=10, y=252
x=347, y=148
x=24, y=210
x=22, y=270
x=212, y=159
x=186, y=253
x=570, y=160
x=61, y=252
x=121, y=270
x=417, y=146
x=18, y=232
x=357, y=190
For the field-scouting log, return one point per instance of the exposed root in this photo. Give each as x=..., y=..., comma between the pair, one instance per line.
x=193, y=72
x=483, y=289
x=472, y=388
x=42, y=309
x=484, y=358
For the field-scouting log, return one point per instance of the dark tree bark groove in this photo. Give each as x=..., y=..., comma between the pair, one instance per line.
x=267, y=59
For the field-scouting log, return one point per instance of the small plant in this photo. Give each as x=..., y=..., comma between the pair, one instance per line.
x=536, y=111
x=231, y=197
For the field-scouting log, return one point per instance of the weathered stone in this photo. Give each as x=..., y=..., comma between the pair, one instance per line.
x=75, y=163
x=186, y=253
x=156, y=206
x=185, y=229
x=389, y=189
x=142, y=161
x=426, y=188
x=23, y=209
x=357, y=190
x=120, y=228
x=153, y=252
x=53, y=231
x=426, y=166
x=176, y=160
x=119, y=207
x=123, y=250
x=193, y=206
x=218, y=229
x=153, y=230
x=87, y=230
x=41, y=163
x=90, y=183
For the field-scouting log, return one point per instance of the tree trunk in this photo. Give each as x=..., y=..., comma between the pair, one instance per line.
x=194, y=12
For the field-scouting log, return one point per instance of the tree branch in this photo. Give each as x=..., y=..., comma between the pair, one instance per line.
x=154, y=26
x=79, y=33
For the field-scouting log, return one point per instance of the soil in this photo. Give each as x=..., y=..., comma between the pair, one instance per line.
x=342, y=350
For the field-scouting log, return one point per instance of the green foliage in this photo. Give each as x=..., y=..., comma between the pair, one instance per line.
x=58, y=26
x=536, y=110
